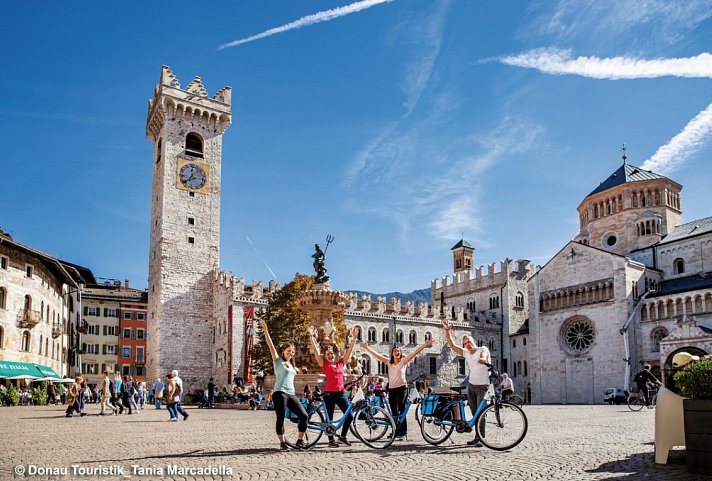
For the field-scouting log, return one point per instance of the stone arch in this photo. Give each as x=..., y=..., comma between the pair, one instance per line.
x=668, y=371
x=656, y=335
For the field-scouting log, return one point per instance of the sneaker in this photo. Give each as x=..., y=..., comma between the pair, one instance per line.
x=649, y=407
x=173, y=419
x=69, y=415
x=284, y=447
x=185, y=416
x=300, y=444
x=344, y=441
x=475, y=443
x=333, y=443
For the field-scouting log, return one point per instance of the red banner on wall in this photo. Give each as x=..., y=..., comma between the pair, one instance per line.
x=249, y=335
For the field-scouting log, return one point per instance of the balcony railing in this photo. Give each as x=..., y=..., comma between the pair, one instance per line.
x=83, y=327
x=140, y=362
x=28, y=318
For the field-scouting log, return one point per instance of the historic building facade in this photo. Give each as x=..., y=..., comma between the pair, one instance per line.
x=36, y=307
x=631, y=288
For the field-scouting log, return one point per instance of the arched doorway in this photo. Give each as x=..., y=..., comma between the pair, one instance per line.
x=669, y=371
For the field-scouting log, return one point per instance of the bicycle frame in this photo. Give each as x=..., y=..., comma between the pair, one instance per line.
x=463, y=415
x=413, y=394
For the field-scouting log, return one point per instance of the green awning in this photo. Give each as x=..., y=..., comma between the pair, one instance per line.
x=19, y=370
x=48, y=374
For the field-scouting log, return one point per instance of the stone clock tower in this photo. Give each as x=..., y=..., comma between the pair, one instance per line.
x=186, y=127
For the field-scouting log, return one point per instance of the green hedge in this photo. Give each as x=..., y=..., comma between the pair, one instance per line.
x=695, y=381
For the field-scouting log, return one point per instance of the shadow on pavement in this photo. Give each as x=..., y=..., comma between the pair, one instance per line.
x=639, y=466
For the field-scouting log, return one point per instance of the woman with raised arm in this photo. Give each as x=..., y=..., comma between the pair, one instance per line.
x=397, y=385
x=283, y=396
x=334, y=389
x=476, y=359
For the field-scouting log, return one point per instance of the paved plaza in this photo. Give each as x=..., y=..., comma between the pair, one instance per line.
x=563, y=442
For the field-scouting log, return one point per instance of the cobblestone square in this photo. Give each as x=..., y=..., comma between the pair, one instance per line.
x=563, y=442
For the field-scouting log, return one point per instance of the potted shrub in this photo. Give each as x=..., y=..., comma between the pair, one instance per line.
x=695, y=384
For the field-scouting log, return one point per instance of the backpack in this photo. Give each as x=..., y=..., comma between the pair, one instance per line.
x=638, y=378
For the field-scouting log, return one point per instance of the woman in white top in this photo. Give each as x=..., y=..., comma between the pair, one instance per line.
x=397, y=385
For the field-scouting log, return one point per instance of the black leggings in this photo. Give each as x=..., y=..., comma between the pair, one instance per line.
x=282, y=401
x=397, y=398
x=331, y=400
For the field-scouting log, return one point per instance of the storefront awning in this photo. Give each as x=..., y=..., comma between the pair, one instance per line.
x=27, y=370
x=19, y=370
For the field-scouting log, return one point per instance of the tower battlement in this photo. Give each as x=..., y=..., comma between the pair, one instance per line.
x=477, y=279
x=192, y=104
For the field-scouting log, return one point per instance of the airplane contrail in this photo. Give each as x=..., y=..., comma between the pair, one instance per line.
x=323, y=16
x=260, y=258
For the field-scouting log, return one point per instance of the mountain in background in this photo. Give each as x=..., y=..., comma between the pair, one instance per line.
x=420, y=295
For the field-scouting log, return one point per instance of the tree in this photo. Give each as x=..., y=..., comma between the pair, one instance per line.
x=288, y=324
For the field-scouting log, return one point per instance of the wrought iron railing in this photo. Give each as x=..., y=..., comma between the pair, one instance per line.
x=28, y=318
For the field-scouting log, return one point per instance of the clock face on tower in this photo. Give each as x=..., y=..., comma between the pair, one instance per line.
x=193, y=176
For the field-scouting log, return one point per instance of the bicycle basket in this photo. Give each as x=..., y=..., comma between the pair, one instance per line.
x=294, y=417
x=429, y=405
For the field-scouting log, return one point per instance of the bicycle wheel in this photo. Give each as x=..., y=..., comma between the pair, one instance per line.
x=636, y=402
x=516, y=399
x=417, y=413
x=374, y=426
x=501, y=426
x=433, y=429
x=311, y=436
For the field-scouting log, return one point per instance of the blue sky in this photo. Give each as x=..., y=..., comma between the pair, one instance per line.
x=395, y=126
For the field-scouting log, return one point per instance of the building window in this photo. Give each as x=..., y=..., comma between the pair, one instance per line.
x=141, y=316
x=611, y=240
x=382, y=368
x=110, y=348
x=412, y=338
x=399, y=337
x=29, y=270
x=524, y=341
x=191, y=240
x=140, y=334
x=127, y=334
x=191, y=220
x=127, y=315
x=519, y=300
x=494, y=301
x=460, y=366
x=3, y=262
x=140, y=354
x=366, y=364
x=3, y=296
x=490, y=344
x=110, y=312
x=359, y=336
x=428, y=336
x=514, y=343
x=655, y=337
x=678, y=266
x=139, y=371
x=126, y=370
x=433, y=365
x=578, y=335
x=386, y=336
x=526, y=370
x=371, y=334
x=40, y=351
x=93, y=329
x=194, y=145
x=110, y=330
x=126, y=352
x=158, y=151
x=25, y=342
x=2, y=337
x=91, y=311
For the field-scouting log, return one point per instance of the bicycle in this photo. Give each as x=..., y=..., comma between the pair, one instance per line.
x=371, y=424
x=499, y=425
x=514, y=399
x=636, y=399
x=414, y=398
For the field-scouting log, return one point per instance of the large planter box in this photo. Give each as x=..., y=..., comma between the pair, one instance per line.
x=698, y=435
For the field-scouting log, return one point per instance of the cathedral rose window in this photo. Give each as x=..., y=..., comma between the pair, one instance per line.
x=578, y=335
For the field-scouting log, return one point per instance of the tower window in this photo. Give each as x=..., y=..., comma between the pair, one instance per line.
x=678, y=266
x=191, y=240
x=158, y=151
x=194, y=145
x=611, y=240
x=191, y=220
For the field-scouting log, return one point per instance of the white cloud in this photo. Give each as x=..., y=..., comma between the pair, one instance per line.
x=672, y=155
x=323, y=16
x=560, y=62
x=667, y=20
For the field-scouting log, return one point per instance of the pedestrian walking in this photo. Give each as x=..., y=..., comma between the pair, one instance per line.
x=74, y=395
x=158, y=387
x=175, y=391
x=105, y=393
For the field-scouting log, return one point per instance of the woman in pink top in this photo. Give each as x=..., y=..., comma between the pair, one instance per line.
x=397, y=385
x=334, y=389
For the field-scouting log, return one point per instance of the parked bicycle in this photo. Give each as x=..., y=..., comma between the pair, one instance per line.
x=371, y=424
x=415, y=397
x=636, y=399
x=500, y=425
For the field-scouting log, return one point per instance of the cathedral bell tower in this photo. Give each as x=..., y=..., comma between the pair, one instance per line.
x=462, y=253
x=186, y=127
